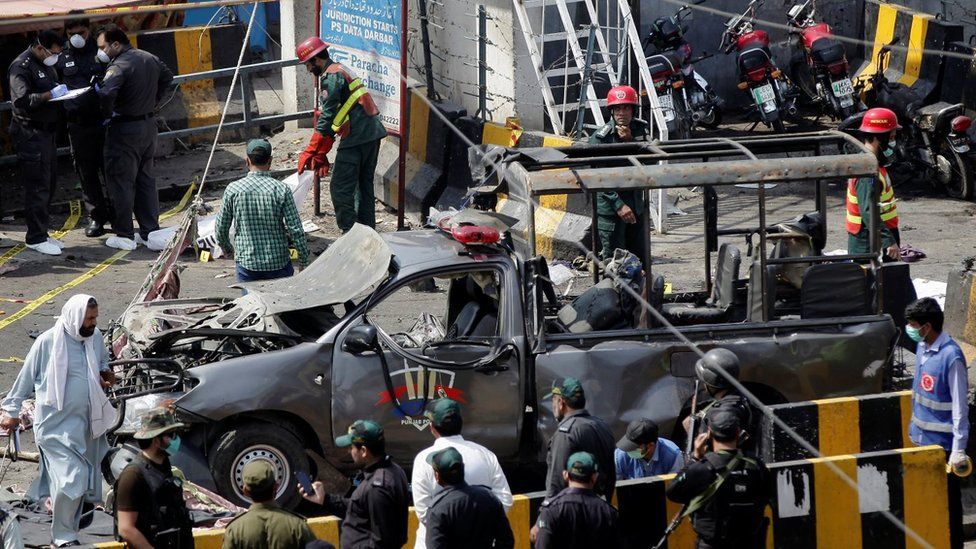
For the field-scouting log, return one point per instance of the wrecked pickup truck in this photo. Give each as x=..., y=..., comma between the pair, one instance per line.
x=380, y=324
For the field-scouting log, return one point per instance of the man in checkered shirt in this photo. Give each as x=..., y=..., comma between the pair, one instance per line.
x=265, y=219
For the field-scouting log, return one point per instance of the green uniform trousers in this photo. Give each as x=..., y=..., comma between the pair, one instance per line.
x=352, y=185
x=615, y=233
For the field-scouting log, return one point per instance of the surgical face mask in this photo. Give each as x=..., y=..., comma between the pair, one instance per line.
x=77, y=41
x=915, y=334
x=636, y=454
x=102, y=56
x=52, y=59
x=174, y=446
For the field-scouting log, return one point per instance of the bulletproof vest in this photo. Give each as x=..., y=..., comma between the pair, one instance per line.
x=168, y=525
x=733, y=515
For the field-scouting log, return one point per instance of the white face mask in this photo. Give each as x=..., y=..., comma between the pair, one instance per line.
x=102, y=56
x=51, y=60
x=77, y=41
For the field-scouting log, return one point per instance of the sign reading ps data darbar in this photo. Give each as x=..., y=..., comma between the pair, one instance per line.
x=364, y=36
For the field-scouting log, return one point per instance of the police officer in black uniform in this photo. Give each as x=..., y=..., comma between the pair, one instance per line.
x=720, y=390
x=376, y=505
x=150, y=510
x=79, y=67
x=33, y=84
x=133, y=85
x=577, y=517
x=463, y=515
x=578, y=431
x=724, y=491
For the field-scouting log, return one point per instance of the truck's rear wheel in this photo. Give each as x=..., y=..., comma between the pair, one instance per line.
x=254, y=442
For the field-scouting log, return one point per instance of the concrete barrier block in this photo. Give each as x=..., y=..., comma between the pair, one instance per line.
x=960, y=311
x=835, y=426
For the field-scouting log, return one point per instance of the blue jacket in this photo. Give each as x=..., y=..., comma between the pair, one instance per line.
x=667, y=458
x=931, y=397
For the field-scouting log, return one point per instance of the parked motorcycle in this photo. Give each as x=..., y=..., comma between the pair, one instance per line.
x=772, y=92
x=822, y=72
x=933, y=144
x=685, y=96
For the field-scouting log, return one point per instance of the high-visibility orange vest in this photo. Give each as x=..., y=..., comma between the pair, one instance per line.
x=889, y=211
x=357, y=94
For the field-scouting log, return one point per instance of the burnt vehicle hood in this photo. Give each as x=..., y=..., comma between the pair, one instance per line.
x=356, y=261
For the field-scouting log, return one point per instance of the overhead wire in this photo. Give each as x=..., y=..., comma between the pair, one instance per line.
x=766, y=411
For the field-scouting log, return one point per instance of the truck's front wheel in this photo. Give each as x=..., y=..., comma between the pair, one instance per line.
x=253, y=442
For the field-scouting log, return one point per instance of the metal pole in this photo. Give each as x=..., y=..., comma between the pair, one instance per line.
x=584, y=84
x=762, y=251
x=404, y=127
x=425, y=39
x=482, y=62
x=246, y=100
x=101, y=13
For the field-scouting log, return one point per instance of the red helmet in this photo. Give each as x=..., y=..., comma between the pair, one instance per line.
x=879, y=120
x=309, y=48
x=622, y=95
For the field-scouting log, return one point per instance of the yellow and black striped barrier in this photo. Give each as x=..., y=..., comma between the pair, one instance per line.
x=810, y=507
x=917, y=32
x=835, y=426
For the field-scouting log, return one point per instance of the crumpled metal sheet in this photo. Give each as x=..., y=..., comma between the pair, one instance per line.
x=356, y=261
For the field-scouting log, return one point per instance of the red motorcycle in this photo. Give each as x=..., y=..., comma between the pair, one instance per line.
x=821, y=70
x=772, y=92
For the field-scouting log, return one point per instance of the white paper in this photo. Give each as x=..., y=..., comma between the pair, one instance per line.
x=72, y=94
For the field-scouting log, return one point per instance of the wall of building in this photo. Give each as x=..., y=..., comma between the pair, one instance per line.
x=454, y=53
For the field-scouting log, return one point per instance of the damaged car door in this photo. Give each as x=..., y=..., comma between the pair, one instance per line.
x=450, y=333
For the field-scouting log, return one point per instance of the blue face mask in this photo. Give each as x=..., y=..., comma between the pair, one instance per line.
x=174, y=446
x=915, y=334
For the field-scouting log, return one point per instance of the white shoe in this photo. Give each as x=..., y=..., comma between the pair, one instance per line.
x=56, y=242
x=121, y=243
x=45, y=248
x=141, y=241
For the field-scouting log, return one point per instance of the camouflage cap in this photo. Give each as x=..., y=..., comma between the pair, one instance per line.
x=445, y=460
x=581, y=464
x=259, y=475
x=442, y=410
x=156, y=422
x=566, y=387
x=363, y=431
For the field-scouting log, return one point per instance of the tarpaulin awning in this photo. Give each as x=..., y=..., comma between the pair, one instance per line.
x=16, y=9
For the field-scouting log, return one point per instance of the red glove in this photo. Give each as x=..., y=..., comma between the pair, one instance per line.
x=314, y=156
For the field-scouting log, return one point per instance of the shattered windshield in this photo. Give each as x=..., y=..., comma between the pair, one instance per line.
x=349, y=269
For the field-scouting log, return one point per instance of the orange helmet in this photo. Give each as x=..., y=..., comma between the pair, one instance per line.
x=309, y=48
x=622, y=95
x=879, y=120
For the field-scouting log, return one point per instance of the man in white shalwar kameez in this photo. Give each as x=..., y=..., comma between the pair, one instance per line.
x=67, y=369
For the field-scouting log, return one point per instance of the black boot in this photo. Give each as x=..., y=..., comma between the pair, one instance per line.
x=94, y=229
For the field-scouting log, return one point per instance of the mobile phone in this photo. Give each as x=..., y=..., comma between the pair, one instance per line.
x=305, y=482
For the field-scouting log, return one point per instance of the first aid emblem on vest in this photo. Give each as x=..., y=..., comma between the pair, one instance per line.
x=928, y=382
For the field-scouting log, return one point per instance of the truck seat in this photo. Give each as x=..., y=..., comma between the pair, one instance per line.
x=716, y=308
x=835, y=289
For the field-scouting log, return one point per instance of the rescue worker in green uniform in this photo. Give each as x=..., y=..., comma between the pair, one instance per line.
x=346, y=112
x=617, y=219
x=878, y=128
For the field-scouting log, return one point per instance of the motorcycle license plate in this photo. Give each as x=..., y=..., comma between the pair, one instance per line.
x=667, y=106
x=763, y=94
x=960, y=144
x=843, y=88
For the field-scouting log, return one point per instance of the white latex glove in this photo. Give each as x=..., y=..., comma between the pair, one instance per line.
x=59, y=91
x=957, y=459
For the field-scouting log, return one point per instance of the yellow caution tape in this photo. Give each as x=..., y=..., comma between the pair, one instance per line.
x=181, y=205
x=51, y=294
x=69, y=224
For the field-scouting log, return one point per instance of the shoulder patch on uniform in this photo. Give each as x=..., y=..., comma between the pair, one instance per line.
x=111, y=71
x=604, y=131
